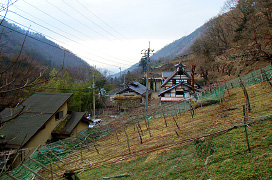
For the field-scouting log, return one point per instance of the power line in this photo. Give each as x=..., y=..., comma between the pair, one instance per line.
x=62, y=36
x=76, y=19
x=51, y=30
x=77, y=31
x=58, y=20
x=41, y=21
x=30, y=37
x=58, y=47
x=100, y=19
x=35, y=30
x=65, y=44
x=90, y=20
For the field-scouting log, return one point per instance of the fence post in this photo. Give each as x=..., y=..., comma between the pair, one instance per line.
x=246, y=95
x=127, y=140
x=245, y=125
x=263, y=72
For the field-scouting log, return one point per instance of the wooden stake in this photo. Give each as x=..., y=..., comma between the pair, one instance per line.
x=176, y=122
x=54, y=155
x=50, y=160
x=245, y=122
x=246, y=95
x=141, y=140
x=263, y=72
x=44, y=166
x=12, y=177
x=40, y=177
x=164, y=118
x=177, y=133
x=127, y=140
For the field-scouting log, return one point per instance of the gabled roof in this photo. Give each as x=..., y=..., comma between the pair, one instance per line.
x=23, y=122
x=136, y=87
x=179, y=69
x=181, y=83
x=69, y=123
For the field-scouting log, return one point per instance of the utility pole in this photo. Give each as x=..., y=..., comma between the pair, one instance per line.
x=147, y=58
x=93, y=95
x=120, y=78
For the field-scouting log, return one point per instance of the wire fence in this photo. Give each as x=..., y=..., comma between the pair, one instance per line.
x=165, y=126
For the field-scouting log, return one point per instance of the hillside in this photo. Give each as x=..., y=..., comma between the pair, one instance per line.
x=36, y=46
x=177, y=47
x=175, y=141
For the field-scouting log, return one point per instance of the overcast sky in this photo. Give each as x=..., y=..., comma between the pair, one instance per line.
x=111, y=33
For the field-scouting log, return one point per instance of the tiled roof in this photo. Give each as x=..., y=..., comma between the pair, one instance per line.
x=136, y=87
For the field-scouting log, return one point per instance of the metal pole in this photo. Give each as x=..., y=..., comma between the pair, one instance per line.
x=147, y=60
x=120, y=78
x=93, y=96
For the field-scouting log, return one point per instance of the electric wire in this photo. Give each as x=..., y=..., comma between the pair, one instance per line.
x=76, y=20
x=38, y=25
x=56, y=32
x=60, y=35
x=58, y=47
x=41, y=21
x=66, y=44
x=58, y=20
x=77, y=31
x=101, y=19
x=90, y=20
x=31, y=29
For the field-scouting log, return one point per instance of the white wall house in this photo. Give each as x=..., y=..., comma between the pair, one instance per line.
x=177, y=85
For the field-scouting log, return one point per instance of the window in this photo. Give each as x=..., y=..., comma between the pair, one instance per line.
x=174, y=81
x=180, y=93
x=59, y=115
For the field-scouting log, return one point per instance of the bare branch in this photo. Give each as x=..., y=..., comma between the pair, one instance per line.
x=16, y=60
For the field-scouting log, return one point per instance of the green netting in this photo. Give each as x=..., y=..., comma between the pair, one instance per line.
x=59, y=150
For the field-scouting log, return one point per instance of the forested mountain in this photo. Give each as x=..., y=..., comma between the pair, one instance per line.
x=177, y=47
x=36, y=46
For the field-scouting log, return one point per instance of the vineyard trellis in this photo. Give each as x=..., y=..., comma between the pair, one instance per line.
x=74, y=152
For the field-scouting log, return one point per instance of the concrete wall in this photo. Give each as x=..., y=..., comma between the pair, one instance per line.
x=80, y=127
x=41, y=137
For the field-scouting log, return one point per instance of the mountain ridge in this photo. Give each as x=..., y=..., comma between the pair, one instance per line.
x=37, y=46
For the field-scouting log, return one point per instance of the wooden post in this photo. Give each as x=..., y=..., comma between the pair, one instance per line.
x=266, y=78
x=192, y=111
x=245, y=122
x=139, y=125
x=40, y=177
x=164, y=118
x=148, y=128
x=117, y=136
x=141, y=140
x=177, y=133
x=246, y=95
x=96, y=149
x=176, y=122
x=127, y=140
x=49, y=159
x=54, y=155
x=11, y=176
x=44, y=166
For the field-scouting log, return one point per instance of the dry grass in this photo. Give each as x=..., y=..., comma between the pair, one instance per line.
x=114, y=148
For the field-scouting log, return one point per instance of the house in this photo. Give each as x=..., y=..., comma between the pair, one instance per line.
x=71, y=125
x=178, y=85
x=31, y=124
x=133, y=95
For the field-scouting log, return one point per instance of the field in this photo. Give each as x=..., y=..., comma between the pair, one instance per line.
x=203, y=141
